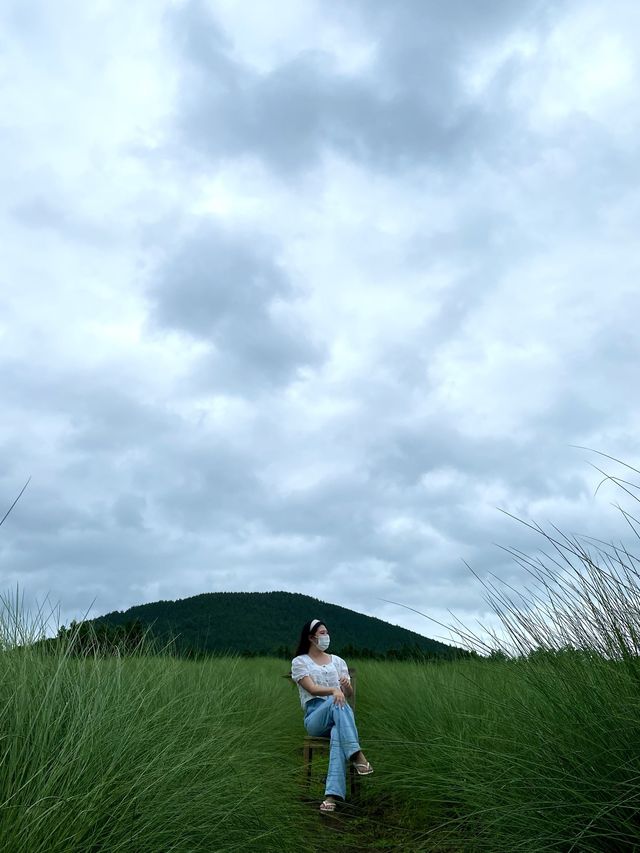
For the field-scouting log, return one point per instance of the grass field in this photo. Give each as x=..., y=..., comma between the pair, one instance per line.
x=158, y=754
x=535, y=750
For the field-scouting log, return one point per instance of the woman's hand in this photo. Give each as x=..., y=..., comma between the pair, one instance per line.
x=338, y=697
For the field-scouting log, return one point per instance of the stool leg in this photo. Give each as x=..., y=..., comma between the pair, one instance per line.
x=308, y=759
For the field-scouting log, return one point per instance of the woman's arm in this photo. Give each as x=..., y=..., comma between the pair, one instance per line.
x=315, y=689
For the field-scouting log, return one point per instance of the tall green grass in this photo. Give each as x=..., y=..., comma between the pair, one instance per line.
x=143, y=753
x=508, y=756
x=538, y=749
x=535, y=750
x=154, y=753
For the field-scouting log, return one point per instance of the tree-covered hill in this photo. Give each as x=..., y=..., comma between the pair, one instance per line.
x=264, y=623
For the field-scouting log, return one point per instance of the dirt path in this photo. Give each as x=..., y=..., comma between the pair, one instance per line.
x=368, y=826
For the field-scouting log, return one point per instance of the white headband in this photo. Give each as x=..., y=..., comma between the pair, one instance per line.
x=315, y=621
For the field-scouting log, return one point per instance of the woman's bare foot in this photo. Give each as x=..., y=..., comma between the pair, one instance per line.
x=358, y=757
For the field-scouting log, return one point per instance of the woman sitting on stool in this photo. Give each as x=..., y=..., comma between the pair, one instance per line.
x=323, y=682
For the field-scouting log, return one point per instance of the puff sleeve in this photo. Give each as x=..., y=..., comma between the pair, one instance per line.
x=299, y=668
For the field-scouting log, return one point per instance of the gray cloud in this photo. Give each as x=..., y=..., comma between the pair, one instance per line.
x=409, y=108
x=226, y=290
x=45, y=214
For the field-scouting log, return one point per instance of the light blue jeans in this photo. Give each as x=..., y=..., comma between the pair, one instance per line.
x=323, y=718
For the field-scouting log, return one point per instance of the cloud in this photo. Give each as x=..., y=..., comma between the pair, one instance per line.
x=40, y=213
x=408, y=106
x=299, y=300
x=229, y=291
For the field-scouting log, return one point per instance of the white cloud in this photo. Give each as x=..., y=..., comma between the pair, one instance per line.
x=587, y=66
x=271, y=36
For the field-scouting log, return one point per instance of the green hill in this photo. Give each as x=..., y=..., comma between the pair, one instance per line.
x=269, y=623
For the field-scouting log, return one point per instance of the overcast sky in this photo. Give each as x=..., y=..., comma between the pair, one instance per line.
x=295, y=295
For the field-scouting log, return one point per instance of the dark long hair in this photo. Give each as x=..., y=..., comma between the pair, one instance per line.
x=304, y=642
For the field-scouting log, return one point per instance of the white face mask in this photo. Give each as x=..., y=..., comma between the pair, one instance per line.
x=323, y=641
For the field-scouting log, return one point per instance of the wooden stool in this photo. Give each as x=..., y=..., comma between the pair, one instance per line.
x=319, y=744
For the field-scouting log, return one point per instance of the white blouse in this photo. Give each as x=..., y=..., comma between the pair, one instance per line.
x=324, y=675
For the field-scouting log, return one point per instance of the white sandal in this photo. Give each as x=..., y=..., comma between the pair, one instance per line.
x=328, y=806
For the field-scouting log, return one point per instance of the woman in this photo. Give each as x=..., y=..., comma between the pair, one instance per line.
x=323, y=682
